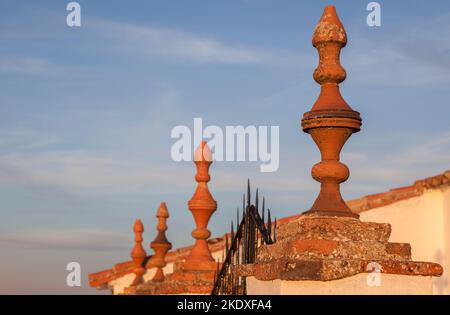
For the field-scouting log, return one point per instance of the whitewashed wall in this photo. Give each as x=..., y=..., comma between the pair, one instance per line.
x=424, y=222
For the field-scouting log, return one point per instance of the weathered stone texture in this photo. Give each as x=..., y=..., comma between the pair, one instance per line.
x=333, y=269
x=329, y=248
x=344, y=229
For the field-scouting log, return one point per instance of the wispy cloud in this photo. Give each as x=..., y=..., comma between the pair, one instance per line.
x=418, y=55
x=430, y=152
x=183, y=46
x=19, y=138
x=394, y=65
x=31, y=65
x=80, y=172
x=401, y=165
x=76, y=239
x=25, y=65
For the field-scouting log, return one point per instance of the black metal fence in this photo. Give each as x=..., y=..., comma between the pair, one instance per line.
x=241, y=247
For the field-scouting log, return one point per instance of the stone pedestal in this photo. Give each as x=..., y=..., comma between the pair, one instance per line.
x=335, y=255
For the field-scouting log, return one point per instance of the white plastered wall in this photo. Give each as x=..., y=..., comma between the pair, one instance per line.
x=424, y=222
x=357, y=284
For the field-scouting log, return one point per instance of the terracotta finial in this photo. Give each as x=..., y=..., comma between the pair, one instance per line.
x=160, y=245
x=138, y=253
x=202, y=205
x=331, y=121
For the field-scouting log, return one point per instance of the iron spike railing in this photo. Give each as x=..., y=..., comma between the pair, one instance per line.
x=242, y=248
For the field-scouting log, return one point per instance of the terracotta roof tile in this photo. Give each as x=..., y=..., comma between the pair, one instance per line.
x=385, y=198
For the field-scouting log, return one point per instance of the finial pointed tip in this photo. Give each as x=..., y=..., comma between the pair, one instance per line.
x=330, y=15
x=138, y=226
x=329, y=28
x=330, y=8
x=203, y=152
x=162, y=210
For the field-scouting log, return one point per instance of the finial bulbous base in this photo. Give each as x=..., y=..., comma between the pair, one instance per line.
x=200, y=252
x=159, y=275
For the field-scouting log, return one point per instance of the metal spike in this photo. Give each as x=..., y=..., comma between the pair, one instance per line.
x=226, y=243
x=262, y=220
x=248, y=192
x=243, y=204
x=237, y=217
x=218, y=272
x=263, y=211
x=232, y=233
x=269, y=223
x=238, y=251
x=275, y=230
x=244, y=237
x=257, y=200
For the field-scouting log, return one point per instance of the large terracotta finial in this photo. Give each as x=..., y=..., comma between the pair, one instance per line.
x=138, y=253
x=160, y=245
x=331, y=120
x=202, y=205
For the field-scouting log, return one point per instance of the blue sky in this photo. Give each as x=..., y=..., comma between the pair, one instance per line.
x=86, y=115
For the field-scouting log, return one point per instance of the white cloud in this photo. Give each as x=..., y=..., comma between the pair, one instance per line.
x=350, y=157
x=79, y=172
x=30, y=65
x=433, y=151
x=231, y=179
x=186, y=47
x=385, y=169
x=392, y=65
x=413, y=56
x=26, y=65
x=89, y=173
x=22, y=138
x=76, y=239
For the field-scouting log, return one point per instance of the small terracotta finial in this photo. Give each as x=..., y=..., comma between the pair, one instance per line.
x=331, y=121
x=160, y=245
x=202, y=204
x=138, y=253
